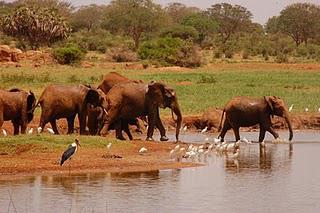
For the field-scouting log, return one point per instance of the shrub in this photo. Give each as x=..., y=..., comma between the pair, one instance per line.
x=170, y=51
x=121, y=54
x=245, y=55
x=228, y=53
x=68, y=55
x=181, y=31
x=281, y=58
x=217, y=54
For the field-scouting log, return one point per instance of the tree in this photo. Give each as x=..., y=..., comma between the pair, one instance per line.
x=134, y=18
x=272, y=25
x=61, y=7
x=178, y=11
x=87, y=17
x=36, y=26
x=231, y=19
x=300, y=21
x=201, y=21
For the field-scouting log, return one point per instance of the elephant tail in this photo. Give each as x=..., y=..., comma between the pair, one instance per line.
x=220, y=125
x=35, y=106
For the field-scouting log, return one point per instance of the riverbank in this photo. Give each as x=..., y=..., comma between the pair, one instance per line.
x=35, y=154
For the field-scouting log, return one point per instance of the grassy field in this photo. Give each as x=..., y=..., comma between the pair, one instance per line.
x=46, y=143
x=197, y=89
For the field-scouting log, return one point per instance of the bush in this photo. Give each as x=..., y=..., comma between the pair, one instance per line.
x=170, y=51
x=245, y=55
x=217, y=54
x=121, y=54
x=181, y=31
x=282, y=58
x=228, y=53
x=68, y=55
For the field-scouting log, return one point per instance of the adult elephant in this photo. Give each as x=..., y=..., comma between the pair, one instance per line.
x=18, y=106
x=97, y=117
x=58, y=101
x=113, y=78
x=248, y=111
x=130, y=100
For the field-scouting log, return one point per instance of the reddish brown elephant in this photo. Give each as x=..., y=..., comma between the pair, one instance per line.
x=18, y=106
x=109, y=80
x=96, y=118
x=131, y=100
x=248, y=111
x=113, y=78
x=59, y=101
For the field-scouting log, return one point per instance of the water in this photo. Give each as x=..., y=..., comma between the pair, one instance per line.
x=276, y=180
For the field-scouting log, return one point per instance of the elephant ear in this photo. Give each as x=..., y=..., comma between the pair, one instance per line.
x=155, y=92
x=31, y=102
x=92, y=97
x=270, y=101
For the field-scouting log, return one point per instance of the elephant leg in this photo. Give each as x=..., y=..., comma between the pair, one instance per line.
x=54, y=126
x=162, y=130
x=118, y=128
x=226, y=127
x=262, y=134
x=82, y=123
x=15, y=127
x=275, y=135
x=112, y=115
x=236, y=133
x=43, y=119
x=23, y=128
x=151, y=124
x=125, y=127
x=71, y=124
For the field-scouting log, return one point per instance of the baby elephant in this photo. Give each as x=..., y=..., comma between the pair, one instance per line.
x=97, y=118
x=247, y=111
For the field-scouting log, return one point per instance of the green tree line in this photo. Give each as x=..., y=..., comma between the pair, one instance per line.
x=163, y=32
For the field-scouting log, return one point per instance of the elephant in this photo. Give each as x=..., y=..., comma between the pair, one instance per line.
x=18, y=106
x=248, y=111
x=58, y=101
x=113, y=78
x=96, y=118
x=132, y=99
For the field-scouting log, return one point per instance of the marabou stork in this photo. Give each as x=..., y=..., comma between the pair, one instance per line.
x=72, y=149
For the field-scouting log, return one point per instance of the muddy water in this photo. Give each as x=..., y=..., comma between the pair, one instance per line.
x=270, y=180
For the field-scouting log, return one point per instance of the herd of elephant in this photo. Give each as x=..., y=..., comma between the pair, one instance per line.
x=119, y=101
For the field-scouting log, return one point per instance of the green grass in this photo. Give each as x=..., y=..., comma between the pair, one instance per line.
x=210, y=87
x=47, y=143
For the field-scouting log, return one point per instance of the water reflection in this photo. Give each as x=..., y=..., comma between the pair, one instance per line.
x=276, y=178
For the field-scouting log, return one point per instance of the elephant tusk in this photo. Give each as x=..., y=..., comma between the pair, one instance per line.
x=105, y=111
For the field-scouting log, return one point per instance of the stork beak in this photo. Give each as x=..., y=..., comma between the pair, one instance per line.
x=78, y=142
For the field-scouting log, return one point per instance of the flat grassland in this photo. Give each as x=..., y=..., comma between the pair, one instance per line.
x=197, y=90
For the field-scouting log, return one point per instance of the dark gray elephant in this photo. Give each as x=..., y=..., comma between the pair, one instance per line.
x=248, y=111
x=18, y=106
x=59, y=101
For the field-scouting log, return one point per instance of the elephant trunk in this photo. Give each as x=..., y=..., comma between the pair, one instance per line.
x=286, y=117
x=176, y=110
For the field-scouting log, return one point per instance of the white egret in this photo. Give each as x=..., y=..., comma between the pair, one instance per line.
x=291, y=107
x=109, y=146
x=30, y=131
x=185, y=128
x=204, y=130
x=39, y=129
x=143, y=150
x=50, y=130
x=4, y=132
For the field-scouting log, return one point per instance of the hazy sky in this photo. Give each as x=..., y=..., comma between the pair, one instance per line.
x=261, y=9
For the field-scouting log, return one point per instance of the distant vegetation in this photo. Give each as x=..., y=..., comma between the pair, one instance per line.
x=130, y=30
